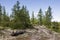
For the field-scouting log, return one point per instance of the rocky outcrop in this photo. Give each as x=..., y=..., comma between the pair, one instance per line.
x=39, y=33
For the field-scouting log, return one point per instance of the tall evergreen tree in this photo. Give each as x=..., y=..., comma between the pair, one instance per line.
x=27, y=16
x=4, y=13
x=48, y=16
x=5, y=18
x=40, y=17
x=15, y=13
x=0, y=14
x=16, y=9
x=20, y=17
x=24, y=17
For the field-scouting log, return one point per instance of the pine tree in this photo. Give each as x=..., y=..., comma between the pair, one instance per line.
x=15, y=22
x=24, y=17
x=27, y=17
x=21, y=18
x=4, y=13
x=0, y=14
x=48, y=17
x=5, y=18
x=40, y=17
x=16, y=9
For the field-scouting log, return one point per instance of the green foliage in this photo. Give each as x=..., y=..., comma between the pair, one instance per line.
x=0, y=14
x=35, y=21
x=32, y=19
x=40, y=17
x=43, y=20
x=20, y=17
x=55, y=26
x=5, y=18
x=48, y=16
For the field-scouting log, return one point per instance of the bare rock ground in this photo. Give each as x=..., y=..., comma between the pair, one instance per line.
x=40, y=33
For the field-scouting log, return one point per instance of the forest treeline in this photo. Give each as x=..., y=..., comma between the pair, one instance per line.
x=20, y=18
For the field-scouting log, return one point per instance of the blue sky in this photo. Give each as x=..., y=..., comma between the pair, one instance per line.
x=35, y=5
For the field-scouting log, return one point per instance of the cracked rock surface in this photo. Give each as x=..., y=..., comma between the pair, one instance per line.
x=40, y=33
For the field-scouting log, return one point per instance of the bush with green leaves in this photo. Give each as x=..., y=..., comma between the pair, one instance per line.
x=55, y=26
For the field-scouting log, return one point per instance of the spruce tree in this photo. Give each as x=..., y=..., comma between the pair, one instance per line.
x=20, y=16
x=24, y=17
x=15, y=22
x=48, y=16
x=5, y=18
x=0, y=14
x=16, y=9
x=4, y=13
x=40, y=16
